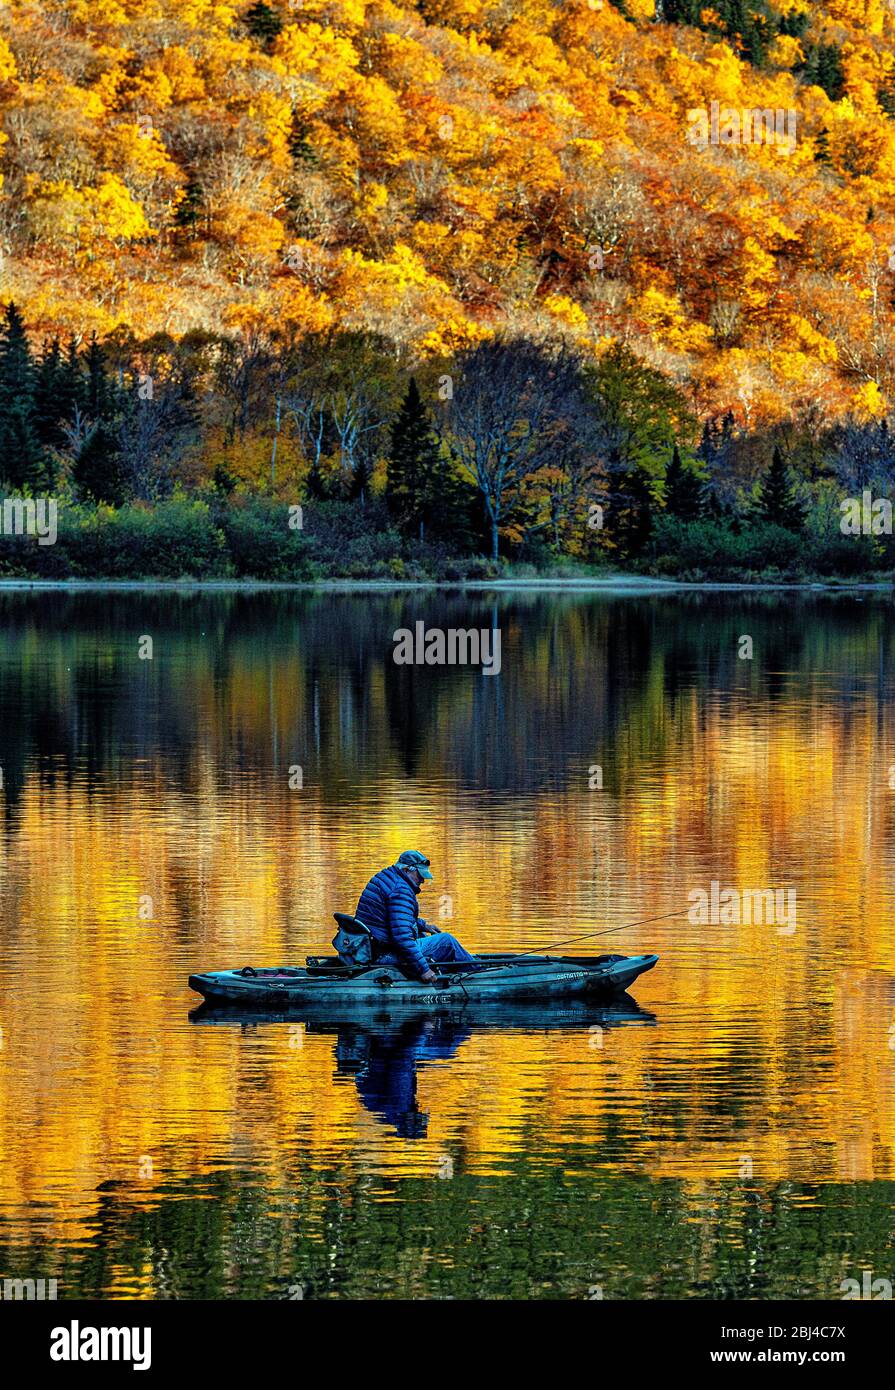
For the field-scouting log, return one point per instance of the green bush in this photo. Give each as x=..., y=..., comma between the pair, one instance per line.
x=250, y=538
x=477, y=567
x=261, y=543
x=847, y=556
x=174, y=540
x=711, y=550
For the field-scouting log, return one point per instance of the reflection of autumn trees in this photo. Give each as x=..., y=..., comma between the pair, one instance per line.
x=257, y=683
x=525, y=1236
x=169, y=779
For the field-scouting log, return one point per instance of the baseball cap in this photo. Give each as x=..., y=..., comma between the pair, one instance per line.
x=412, y=859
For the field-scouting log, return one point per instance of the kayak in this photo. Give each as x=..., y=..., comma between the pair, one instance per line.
x=495, y=978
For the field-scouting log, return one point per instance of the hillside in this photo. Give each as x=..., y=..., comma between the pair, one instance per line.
x=435, y=172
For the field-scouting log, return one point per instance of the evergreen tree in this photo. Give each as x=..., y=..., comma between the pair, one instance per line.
x=629, y=520
x=718, y=510
x=58, y=389
x=223, y=480
x=886, y=97
x=823, y=68
x=684, y=490
x=46, y=376
x=189, y=209
x=98, y=471
x=16, y=359
x=414, y=465
x=315, y=483
x=263, y=23
x=793, y=24
x=750, y=22
x=777, y=501
x=300, y=147
x=99, y=393
x=822, y=146
x=23, y=461
x=359, y=484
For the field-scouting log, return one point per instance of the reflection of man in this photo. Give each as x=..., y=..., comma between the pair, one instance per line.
x=387, y=1084
x=388, y=906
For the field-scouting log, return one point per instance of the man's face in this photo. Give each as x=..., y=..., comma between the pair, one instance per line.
x=415, y=877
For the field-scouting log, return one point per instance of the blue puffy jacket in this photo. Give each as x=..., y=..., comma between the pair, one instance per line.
x=388, y=906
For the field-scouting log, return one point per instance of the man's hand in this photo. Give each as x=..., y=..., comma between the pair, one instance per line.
x=430, y=977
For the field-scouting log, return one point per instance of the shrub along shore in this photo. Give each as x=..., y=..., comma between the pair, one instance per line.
x=256, y=539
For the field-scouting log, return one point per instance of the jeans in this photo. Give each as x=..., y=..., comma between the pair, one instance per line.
x=442, y=946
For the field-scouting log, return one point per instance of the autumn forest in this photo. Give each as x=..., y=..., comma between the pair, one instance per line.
x=317, y=287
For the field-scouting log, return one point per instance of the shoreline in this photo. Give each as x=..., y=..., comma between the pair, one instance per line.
x=631, y=584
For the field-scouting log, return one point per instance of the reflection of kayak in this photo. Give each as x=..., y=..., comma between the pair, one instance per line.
x=322, y=1017
x=498, y=977
x=385, y=1050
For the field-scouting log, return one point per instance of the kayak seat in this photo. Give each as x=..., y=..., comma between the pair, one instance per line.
x=353, y=940
x=353, y=925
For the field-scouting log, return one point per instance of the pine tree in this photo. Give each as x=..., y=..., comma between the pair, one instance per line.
x=414, y=465
x=822, y=146
x=793, y=24
x=885, y=96
x=99, y=394
x=823, y=68
x=45, y=404
x=777, y=502
x=58, y=389
x=359, y=484
x=750, y=22
x=315, y=483
x=263, y=23
x=189, y=209
x=300, y=147
x=629, y=520
x=98, y=471
x=684, y=490
x=23, y=461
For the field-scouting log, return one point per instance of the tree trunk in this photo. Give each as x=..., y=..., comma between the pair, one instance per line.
x=273, y=452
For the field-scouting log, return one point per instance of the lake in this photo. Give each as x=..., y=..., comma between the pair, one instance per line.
x=729, y=1135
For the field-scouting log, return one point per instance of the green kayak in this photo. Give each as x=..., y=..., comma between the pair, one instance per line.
x=495, y=978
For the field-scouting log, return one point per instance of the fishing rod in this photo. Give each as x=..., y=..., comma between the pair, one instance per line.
x=587, y=936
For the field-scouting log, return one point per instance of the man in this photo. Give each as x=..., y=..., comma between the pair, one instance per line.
x=388, y=906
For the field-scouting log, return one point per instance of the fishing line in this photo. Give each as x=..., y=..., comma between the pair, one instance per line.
x=587, y=936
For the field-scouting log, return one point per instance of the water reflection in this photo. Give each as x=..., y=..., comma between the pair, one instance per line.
x=384, y=1052
x=149, y=830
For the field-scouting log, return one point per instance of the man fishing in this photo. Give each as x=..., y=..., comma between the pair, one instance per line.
x=388, y=906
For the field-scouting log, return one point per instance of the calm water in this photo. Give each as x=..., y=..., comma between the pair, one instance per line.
x=730, y=1135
